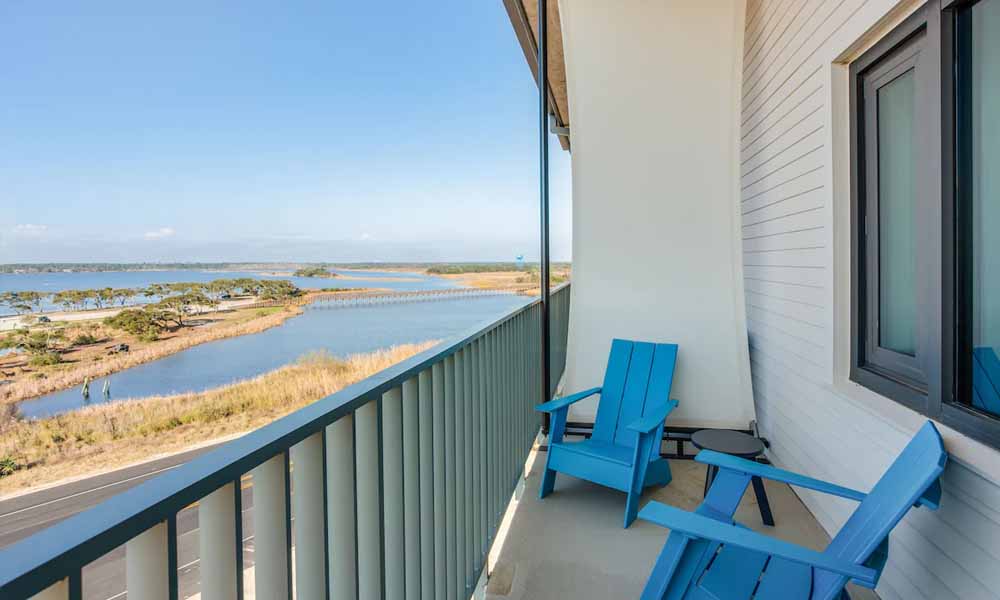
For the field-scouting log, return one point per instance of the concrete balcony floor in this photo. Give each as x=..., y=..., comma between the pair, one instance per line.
x=572, y=544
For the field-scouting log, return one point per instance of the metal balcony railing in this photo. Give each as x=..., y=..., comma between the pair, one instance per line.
x=393, y=487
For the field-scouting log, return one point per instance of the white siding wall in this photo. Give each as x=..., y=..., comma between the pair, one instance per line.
x=793, y=195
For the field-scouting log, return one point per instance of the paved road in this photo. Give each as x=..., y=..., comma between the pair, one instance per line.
x=104, y=579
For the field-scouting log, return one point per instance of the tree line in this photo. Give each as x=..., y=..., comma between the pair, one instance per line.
x=196, y=293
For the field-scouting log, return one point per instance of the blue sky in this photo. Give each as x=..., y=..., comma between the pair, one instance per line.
x=251, y=130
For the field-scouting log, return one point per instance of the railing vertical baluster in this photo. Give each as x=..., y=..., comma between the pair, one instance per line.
x=483, y=497
x=440, y=530
x=340, y=500
x=369, y=536
x=147, y=564
x=490, y=431
x=392, y=489
x=309, y=521
x=460, y=455
x=216, y=536
x=450, y=456
x=496, y=411
x=469, y=566
x=476, y=463
x=426, y=394
x=57, y=591
x=411, y=487
x=270, y=529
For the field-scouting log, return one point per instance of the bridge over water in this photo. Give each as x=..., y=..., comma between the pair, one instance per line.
x=368, y=298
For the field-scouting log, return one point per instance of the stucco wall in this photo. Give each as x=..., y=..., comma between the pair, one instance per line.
x=654, y=96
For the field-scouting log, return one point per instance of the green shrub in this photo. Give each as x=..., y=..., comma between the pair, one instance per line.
x=46, y=359
x=84, y=339
x=8, y=465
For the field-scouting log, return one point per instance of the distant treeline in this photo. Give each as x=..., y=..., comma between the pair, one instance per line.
x=103, y=267
x=461, y=268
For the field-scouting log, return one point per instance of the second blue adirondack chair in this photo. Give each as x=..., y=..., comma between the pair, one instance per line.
x=707, y=555
x=986, y=380
x=623, y=452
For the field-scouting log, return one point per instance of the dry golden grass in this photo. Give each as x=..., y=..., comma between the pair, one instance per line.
x=62, y=376
x=102, y=437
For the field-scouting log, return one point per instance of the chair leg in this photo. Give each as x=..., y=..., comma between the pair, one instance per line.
x=548, y=480
x=762, y=502
x=632, y=507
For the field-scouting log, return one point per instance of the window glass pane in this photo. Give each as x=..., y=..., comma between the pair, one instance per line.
x=983, y=100
x=897, y=264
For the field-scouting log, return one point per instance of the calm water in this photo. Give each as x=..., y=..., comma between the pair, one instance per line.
x=341, y=331
x=56, y=282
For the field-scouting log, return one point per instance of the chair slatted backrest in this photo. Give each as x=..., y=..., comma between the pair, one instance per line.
x=909, y=477
x=638, y=378
x=986, y=379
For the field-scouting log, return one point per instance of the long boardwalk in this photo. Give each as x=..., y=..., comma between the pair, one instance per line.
x=345, y=299
x=342, y=299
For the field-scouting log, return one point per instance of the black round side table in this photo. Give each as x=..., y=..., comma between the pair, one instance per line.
x=738, y=444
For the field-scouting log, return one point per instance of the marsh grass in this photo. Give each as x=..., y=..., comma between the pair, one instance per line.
x=106, y=436
x=74, y=373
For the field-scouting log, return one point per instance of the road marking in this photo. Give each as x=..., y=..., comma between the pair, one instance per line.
x=84, y=492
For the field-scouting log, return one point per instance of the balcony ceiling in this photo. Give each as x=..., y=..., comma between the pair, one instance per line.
x=524, y=18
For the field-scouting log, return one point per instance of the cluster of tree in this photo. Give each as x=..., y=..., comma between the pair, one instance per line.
x=314, y=272
x=44, y=346
x=213, y=291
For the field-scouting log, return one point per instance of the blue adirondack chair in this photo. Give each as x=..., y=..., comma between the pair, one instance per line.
x=708, y=556
x=986, y=380
x=624, y=450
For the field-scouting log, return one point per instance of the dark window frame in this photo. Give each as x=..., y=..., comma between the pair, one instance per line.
x=905, y=379
x=948, y=294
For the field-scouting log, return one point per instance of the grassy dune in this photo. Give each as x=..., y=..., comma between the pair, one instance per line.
x=107, y=436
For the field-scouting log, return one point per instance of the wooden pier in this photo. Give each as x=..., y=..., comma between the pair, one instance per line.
x=346, y=299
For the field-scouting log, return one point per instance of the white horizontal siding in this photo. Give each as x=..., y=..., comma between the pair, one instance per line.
x=784, y=175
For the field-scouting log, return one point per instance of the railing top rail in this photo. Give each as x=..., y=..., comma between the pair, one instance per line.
x=32, y=564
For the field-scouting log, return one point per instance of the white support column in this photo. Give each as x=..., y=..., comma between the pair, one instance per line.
x=340, y=507
x=449, y=463
x=411, y=487
x=56, y=591
x=369, y=528
x=270, y=529
x=460, y=455
x=392, y=489
x=217, y=544
x=309, y=517
x=146, y=564
x=440, y=532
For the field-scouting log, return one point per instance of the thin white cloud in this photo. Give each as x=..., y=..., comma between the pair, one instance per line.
x=30, y=230
x=366, y=237
x=159, y=234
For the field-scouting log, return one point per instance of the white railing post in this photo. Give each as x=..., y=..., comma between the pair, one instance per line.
x=392, y=489
x=460, y=457
x=411, y=486
x=270, y=529
x=368, y=502
x=57, y=591
x=449, y=457
x=216, y=540
x=440, y=532
x=427, y=498
x=146, y=564
x=340, y=507
x=309, y=517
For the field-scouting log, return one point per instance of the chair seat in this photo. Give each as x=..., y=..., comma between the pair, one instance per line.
x=740, y=574
x=601, y=450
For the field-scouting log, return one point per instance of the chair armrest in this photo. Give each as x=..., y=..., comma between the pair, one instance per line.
x=733, y=463
x=699, y=526
x=554, y=405
x=651, y=421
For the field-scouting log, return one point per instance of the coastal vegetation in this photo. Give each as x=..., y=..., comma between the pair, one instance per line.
x=315, y=272
x=102, y=437
x=57, y=356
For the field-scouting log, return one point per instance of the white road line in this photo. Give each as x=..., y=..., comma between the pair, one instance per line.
x=85, y=492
